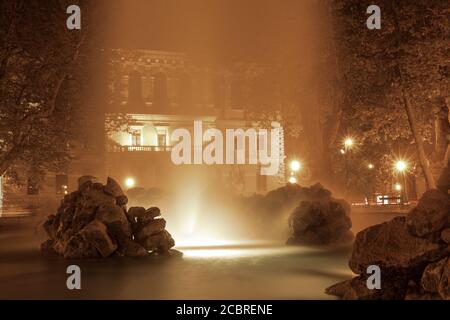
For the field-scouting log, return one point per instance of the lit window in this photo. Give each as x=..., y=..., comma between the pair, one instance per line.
x=162, y=139
x=136, y=138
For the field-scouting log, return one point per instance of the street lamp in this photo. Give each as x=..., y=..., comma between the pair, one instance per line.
x=346, y=152
x=348, y=143
x=401, y=166
x=370, y=166
x=295, y=165
x=130, y=182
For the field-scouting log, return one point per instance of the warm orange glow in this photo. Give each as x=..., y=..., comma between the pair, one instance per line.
x=349, y=142
x=295, y=165
x=130, y=182
x=401, y=165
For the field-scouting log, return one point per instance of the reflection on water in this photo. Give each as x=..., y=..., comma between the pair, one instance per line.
x=240, y=249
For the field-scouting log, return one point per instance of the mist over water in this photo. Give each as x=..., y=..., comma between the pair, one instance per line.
x=201, y=212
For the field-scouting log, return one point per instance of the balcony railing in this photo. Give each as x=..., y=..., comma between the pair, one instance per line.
x=138, y=148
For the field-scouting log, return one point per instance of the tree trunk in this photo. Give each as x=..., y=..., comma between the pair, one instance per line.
x=431, y=184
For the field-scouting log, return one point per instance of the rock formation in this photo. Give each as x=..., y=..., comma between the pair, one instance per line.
x=319, y=219
x=93, y=222
x=313, y=215
x=413, y=254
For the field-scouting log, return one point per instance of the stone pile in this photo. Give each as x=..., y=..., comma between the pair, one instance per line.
x=93, y=222
x=412, y=252
x=320, y=219
x=314, y=217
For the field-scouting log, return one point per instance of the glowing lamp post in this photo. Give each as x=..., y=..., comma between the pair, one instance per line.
x=348, y=143
x=130, y=182
x=295, y=167
x=401, y=166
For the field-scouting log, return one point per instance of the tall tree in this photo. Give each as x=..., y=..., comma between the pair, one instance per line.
x=39, y=59
x=48, y=82
x=396, y=76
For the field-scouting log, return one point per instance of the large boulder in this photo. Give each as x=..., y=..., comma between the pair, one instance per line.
x=95, y=196
x=150, y=228
x=139, y=217
x=431, y=214
x=81, y=217
x=444, y=283
x=112, y=214
x=160, y=242
x=151, y=213
x=142, y=214
x=134, y=213
x=435, y=280
x=85, y=182
x=390, y=246
x=113, y=188
x=320, y=222
x=130, y=248
x=412, y=251
x=96, y=234
x=431, y=276
x=416, y=292
x=78, y=247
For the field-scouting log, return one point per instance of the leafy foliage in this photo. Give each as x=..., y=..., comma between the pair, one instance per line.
x=376, y=64
x=47, y=85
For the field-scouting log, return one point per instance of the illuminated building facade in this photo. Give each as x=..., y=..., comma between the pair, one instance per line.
x=161, y=92
x=158, y=92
